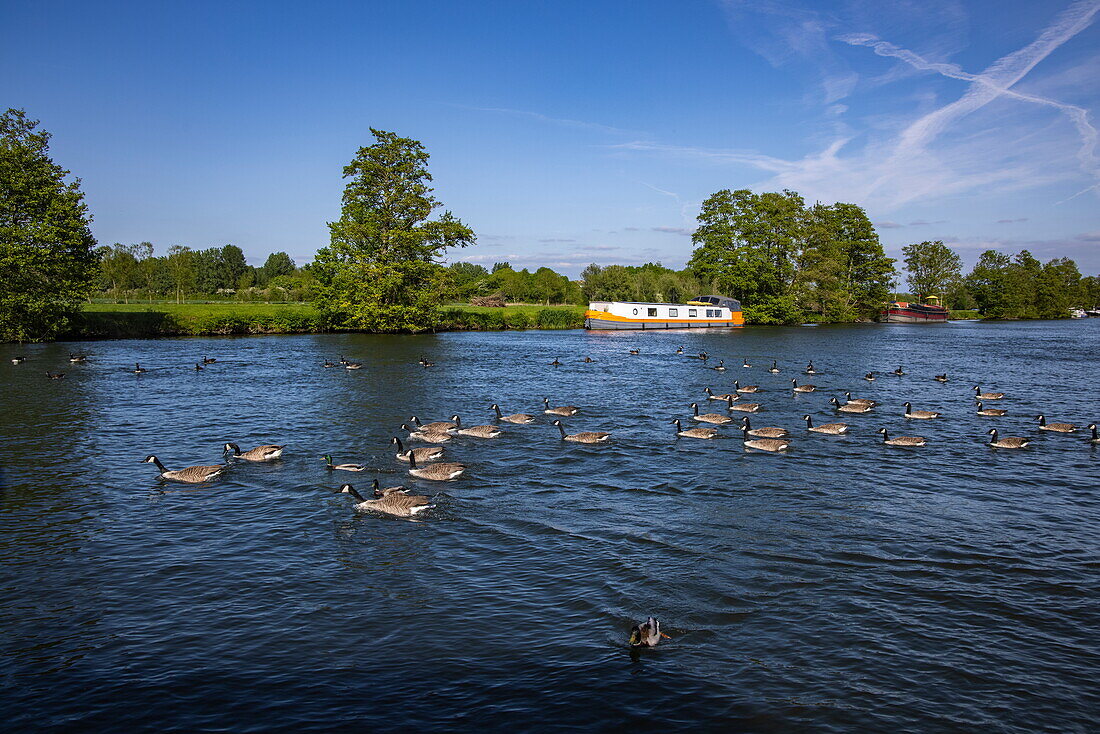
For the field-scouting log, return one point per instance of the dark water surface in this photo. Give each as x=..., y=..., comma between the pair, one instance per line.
x=846, y=586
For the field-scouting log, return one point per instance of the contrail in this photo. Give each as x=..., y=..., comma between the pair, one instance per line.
x=994, y=82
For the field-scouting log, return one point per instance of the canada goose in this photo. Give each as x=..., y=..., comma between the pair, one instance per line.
x=18, y=360
x=583, y=436
x=566, y=410
x=701, y=355
x=343, y=359
x=635, y=351
x=436, y=427
x=990, y=412
x=727, y=397
x=720, y=367
x=745, y=363
x=859, y=401
x=833, y=429
x=476, y=431
x=55, y=375
x=987, y=395
x=391, y=500
x=764, y=444
x=425, y=454
x=1095, y=437
x=774, y=369
x=743, y=407
x=443, y=472
x=694, y=432
x=329, y=363
x=810, y=368
x=190, y=475
x=901, y=440
x=341, y=467
x=802, y=388
x=941, y=378
x=680, y=350
x=921, y=414
x=1008, y=442
x=424, y=362
x=267, y=452
x=870, y=377
x=588, y=360
x=850, y=407
x=716, y=418
x=77, y=358
x=647, y=634
x=746, y=389
x=199, y=367
x=1056, y=427
x=899, y=372
x=138, y=369
x=763, y=432
x=209, y=360
x=429, y=436
x=353, y=365
x=556, y=362
x=514, y=418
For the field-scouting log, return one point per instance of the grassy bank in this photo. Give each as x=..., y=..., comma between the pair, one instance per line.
x=125, y=321
x=956, y=314
x=136, y=321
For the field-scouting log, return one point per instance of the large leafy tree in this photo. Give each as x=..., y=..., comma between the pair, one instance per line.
x=380, y=270
x=47, y=252
x=933, y=267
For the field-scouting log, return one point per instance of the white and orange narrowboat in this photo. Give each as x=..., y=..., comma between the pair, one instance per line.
x=704, y=312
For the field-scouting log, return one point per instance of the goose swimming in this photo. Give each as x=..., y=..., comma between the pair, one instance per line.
x=425, y=435
x=267, y=452
x=921, y=414
x=746, y=389
x=699, y=432
x=716, y=418
x=435, y=427
x=340, y=467
x=565, y=410
x=727, y=397
x=1008, y=442
x=765, y=444
x=476, y=431
x=391, y=500
x=833, y=429
x=990, y=412
x=802, y=388
x=443, y=472
x=1056, y=427
x=583, y=436
x=769, y=432
x=426, y=454
x=901, y=440
x=190, y=475
x=850, y=407
x=514, y=418
x=987, y=395
x=859, y=401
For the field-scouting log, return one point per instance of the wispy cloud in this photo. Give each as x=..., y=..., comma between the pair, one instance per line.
x=888, y=225
x=1012, y=221
x=673, y=230
x=558, y=121
x=553, y=239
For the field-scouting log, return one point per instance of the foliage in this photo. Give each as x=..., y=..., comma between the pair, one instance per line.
x=788, y=263
x=472, y=318
x=47, y=258
x=933, y=267
x=1021, y=288
x=379, y=270
x=117, y=321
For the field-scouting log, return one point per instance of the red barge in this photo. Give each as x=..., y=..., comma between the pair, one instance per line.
x=901, y=312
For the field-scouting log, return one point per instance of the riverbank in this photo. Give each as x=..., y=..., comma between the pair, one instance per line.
x=145, y=320
x=138, y=321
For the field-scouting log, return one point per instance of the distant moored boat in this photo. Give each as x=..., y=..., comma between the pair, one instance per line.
x=700, y=312
x=902, y=312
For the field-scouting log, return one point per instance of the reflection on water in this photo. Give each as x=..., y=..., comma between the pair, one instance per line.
x=844, y=585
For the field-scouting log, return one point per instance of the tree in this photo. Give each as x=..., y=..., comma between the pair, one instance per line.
x=379, y=271
x=933, y=268
x=181, y=266
x=277, y=263
x=119, y=269
x=47, y=252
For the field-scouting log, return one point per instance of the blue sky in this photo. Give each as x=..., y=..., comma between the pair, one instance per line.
x=572, y=132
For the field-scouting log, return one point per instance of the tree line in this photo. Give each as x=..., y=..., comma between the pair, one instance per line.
x=786, y=260
x=133, y=272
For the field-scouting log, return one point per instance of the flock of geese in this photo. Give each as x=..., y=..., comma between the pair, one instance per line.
x=426, y=462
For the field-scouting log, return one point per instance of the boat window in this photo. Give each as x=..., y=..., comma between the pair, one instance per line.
x=709, y=313
x=652, y=312
x=693, y=312
x=673, y=312
x=635, y=312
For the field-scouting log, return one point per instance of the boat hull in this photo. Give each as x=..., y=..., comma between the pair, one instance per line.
x=913, y=314
x=600, y=322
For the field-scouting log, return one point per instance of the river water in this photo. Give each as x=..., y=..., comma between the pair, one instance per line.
x=843, y=586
